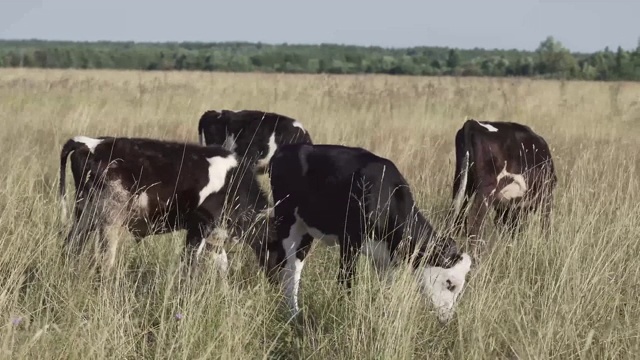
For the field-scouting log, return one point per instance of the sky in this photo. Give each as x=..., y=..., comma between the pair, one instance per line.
x=581, y=25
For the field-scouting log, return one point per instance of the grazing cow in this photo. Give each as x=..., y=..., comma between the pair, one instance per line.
x=155, y=187
x=508, y=167
x=252, y=134
x=361, y=202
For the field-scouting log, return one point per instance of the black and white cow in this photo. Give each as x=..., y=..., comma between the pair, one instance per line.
x=252, y=134
x=351, y=197
x=508, y=167
x=152, y=187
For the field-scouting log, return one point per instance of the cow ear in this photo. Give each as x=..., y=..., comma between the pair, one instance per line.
x=447, y=252
x=441, y=254
x=452, y=260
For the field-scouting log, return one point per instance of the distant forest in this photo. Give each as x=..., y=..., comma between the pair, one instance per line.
x=550, y=60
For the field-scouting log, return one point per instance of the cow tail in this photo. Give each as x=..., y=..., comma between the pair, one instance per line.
x=70, y=146
x=464, y=173
x=464, y=170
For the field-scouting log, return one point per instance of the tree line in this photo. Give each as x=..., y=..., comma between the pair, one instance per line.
x=550, y=60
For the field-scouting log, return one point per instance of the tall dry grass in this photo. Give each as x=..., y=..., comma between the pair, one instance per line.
x=574, y=295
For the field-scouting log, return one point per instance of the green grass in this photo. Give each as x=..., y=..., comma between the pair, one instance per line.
x=572, y=296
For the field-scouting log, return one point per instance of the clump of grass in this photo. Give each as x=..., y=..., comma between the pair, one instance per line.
x=574, y=295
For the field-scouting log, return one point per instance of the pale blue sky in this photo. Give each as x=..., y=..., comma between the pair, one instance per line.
x=581, y=25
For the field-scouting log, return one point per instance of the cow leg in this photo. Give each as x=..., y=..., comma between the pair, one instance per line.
x=196, y=242
x=199, y=227
x=287, y=254
x=349, y=250
x=78, y=235
x=502, y=212
x=513, y=221
x=270, y=256
x=509, y=218
x=477, y=213
x=547, y=208
x=84, y=223
x=109, y=240
x=296, y=247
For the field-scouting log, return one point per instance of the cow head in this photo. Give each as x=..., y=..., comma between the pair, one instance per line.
x=443, y=279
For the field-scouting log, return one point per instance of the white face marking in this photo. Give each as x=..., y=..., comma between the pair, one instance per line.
x=299, y=125
x=292, y=271
x=443, y=286
x=272, y=149
x=202, y=139
x=218, y=168
x=489, y=127
x=514, y=190
x=230, y=143
x=91, y=143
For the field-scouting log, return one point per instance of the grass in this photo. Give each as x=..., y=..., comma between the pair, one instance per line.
x=572, y=296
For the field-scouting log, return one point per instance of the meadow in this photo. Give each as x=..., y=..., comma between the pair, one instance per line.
x=575, y=295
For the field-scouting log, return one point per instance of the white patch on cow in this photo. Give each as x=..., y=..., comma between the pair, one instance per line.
x=112, y=204
x=298, y=124
x=221, y=262
x=218, y=168
x=513, y=190
x=113, y=239
x=443, y=286
x=91, y=143
x=203, y=244
x=265, y=214
x=230, y=142
x=489, y=127
x=272, y=149
x=220, y=234
x=379, y=254
x=142, y=202
x=63, y=208
x=292, y=271
x=327, y=239
x=202, y=139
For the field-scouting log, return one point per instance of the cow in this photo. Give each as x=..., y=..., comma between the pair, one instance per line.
x=509, y=168
x=149, y=187
x=350, y=197
x=252, y=134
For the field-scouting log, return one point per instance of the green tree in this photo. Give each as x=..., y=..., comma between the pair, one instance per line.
x=453, y=59
x=555, y=59
x=551, y=59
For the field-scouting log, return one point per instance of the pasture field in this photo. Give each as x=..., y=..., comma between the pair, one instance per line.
x=575, y=295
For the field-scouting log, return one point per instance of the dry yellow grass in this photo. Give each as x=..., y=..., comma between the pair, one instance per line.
x=575, y=295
